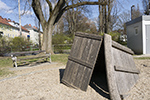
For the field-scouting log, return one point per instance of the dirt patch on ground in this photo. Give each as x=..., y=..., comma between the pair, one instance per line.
x=42, y=82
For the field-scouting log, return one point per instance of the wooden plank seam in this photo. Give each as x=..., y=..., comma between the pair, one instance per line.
x=122, y=48
x=79, y=61
x=90, y=36
x=127, y=70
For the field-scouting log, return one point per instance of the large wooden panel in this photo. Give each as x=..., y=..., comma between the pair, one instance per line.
x=81, y=60
x=122, y=73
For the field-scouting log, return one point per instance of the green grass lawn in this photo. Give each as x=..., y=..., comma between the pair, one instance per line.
x=6, y=62
x=61, y=58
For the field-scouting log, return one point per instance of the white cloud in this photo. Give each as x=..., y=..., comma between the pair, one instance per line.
x=5, y=8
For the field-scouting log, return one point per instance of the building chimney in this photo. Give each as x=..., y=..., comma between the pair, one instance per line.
x=9, y=20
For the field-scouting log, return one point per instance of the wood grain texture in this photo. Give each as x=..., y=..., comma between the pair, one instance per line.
x=127, y=70
x=121, y=47
x=82, y=60
x=112, y=86
x=89, y=36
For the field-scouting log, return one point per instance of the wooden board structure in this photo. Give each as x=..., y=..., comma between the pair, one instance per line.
x=121, y=71
x=82, y=60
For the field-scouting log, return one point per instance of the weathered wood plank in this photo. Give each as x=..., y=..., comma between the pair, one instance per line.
x=87, y=77
x=81, y=62
x=95, y=46
x=120, y=78
x=66, y=76
x=127, y=70
x=74, y=66
x=76, y=55
x=83, y=68
x=121, y=59
x=123, y=48
x=113, y=90
x=80, y=70
x=25, y=52
x=89, y=36
x=19, y=59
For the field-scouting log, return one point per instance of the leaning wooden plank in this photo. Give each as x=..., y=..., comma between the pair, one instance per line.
x=79, y=67
x=114, y=94
x=127, y=70
x=119, y=60
x=123, y=48
x=81, y=62
x=89, y=36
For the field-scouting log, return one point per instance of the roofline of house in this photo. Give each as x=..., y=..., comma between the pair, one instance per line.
x=13, y=26
x=141, y=18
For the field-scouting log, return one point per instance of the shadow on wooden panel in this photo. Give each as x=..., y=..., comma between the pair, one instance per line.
x=99, y=80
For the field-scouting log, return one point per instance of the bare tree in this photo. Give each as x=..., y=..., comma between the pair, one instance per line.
x=54, y=16
x=146, y=6
x=105, y=15
x=123, y=18
x=136, y=12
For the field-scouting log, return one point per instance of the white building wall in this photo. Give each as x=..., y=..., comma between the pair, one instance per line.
x=34, y=36
x=12, y=32
x=144, y=23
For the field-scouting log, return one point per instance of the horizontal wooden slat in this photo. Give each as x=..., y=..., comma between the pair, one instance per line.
x=32, y=58
x=90, y=36
x=79, y=61
x=127, y=70
x=68, y=84
x=25, y=52
x=122, y=48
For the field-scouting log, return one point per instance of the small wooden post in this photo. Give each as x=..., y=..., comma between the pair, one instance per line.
x=14, y=59
x=50, y=58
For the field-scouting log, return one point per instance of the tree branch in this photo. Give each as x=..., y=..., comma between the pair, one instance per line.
x=77, y=5
x=50, y=5
x=84, y=3
x=38, y=12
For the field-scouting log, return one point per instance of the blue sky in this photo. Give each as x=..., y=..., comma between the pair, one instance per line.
x=7, y=10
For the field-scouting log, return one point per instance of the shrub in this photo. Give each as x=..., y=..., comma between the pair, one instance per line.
x=61, y=39
x=5, y=43
x=20, y=44
x=115, y=37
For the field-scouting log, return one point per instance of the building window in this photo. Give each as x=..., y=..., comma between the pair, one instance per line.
x=136, y=30
x=8, y=35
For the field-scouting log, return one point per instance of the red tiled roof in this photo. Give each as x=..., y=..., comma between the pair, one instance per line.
x=5, y=21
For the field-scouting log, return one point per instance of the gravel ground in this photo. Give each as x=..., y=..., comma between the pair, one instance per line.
x=42, y=82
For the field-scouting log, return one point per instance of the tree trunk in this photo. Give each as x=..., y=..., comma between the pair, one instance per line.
x=49, y=40
x=45, y=31
x=55, y=15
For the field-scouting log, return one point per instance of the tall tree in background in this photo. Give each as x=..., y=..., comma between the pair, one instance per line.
x=105, y=15
x=136, y=12
x=55, y=14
